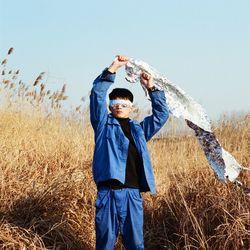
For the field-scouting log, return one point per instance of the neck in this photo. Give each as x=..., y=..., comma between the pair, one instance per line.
x=122, y=118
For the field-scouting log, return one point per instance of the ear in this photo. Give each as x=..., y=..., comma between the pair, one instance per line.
x=134, y=109
x=131, y=109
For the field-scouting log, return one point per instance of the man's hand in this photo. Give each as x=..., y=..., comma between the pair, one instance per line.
x=147, y=80
x=118, y=63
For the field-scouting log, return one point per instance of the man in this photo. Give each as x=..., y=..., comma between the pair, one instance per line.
x=121, y=164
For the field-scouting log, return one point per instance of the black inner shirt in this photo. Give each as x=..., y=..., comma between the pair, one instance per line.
x=133, y=164
x=133, y=161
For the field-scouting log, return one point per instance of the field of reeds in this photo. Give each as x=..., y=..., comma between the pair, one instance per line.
x=47, y=195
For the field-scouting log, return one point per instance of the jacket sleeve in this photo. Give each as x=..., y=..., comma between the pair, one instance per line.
x=98, y=105
x=160, y=113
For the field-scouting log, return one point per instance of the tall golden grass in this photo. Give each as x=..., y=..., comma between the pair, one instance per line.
x=48, y=196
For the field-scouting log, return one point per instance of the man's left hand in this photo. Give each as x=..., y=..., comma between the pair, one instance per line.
x=147, y=80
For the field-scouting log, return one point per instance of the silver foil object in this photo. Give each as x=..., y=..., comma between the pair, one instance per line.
x=180, y=104
x=183, y=106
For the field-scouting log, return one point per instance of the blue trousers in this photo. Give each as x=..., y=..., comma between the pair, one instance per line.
x=119, y=210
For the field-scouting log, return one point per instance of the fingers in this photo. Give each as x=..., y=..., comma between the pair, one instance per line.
x=145, y=76
x=118, y=62
x=122, y=58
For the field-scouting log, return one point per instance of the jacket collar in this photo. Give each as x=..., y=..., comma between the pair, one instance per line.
x=112, y=120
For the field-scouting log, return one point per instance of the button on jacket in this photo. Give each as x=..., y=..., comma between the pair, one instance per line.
x=111, y=145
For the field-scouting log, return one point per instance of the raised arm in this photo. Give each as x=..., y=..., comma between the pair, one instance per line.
x=98, y=106
x=160, y=112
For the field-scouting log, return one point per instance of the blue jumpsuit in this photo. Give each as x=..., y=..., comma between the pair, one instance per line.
x=121, y=209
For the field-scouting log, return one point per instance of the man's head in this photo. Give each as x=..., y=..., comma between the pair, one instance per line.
x=121, y=101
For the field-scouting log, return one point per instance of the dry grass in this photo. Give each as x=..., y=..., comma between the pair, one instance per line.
x=47, y=193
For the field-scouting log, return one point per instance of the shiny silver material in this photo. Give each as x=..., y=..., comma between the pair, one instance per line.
x=183, y=106
x=180, y=104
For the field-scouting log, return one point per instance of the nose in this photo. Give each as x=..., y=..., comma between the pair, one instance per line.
x=118, y=106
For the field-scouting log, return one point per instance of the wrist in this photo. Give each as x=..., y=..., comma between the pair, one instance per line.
x=152, y=88
x=113, y=68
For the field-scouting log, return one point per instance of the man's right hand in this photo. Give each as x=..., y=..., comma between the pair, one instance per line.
x=119, y=61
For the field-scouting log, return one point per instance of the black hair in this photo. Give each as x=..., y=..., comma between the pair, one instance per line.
x=121, y=93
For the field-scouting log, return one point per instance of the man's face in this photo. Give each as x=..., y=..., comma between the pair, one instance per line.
x=121, y=109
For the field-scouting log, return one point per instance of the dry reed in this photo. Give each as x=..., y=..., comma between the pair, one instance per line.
x=47, y=193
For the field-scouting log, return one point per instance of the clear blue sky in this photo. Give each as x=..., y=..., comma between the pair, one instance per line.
x=203, y=46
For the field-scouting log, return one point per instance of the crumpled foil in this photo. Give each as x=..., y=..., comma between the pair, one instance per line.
x=183, y=106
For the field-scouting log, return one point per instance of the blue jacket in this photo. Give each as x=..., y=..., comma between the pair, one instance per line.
x=111, y=145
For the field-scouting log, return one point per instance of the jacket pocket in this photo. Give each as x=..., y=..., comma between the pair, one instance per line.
x=116, y=137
